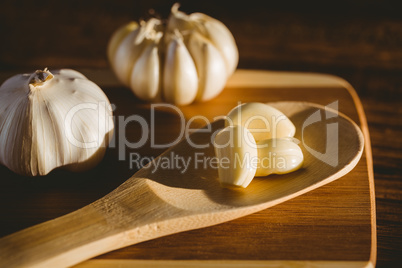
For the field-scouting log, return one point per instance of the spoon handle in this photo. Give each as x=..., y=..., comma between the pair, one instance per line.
x=61, y=242
x=124, y=217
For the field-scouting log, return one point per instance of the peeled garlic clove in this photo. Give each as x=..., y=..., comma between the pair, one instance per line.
x=50, y=120
x=145, y=78
x=236, y=151
x=210, y=67
x=180, y=81
x=278, y=156
x=263, y=121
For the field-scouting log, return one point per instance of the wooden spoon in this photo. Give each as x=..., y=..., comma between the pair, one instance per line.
x=161, y=199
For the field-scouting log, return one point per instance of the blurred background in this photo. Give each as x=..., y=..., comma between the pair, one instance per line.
x=360, y=41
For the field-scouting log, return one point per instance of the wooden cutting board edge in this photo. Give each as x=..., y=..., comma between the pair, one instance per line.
x=260, y=78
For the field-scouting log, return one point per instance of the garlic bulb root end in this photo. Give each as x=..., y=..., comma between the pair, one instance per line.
x=39, y=77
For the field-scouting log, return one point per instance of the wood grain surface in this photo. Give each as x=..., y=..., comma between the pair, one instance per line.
x=359, y=41
x=158, y=200
x=342, y=211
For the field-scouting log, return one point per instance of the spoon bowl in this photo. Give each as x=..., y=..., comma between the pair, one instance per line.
x=179, y=191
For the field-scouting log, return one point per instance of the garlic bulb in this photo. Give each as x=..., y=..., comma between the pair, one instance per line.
x=187, y=59
x=50, y=120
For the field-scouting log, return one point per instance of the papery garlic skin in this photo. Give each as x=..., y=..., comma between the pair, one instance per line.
x=180, y=80
x=236, y=151
x=51, y=120
x=187, y=59
x=278, y=156
x=118, y=36
x=210, y=65
x=145, y=75
x=210, y=28
x=262, y=120
x=130, y=48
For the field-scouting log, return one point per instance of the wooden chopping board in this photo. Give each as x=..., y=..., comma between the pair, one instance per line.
x=331, y=226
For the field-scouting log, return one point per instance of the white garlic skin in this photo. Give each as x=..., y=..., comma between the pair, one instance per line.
x=210, y=28
x=262, y=120
x=191, y=58
x=180, y=80
x=278, y=156
x=33, y=135
x=235, y=149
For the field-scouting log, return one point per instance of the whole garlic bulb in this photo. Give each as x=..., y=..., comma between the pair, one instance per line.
x=185, y=60
x=50, y=120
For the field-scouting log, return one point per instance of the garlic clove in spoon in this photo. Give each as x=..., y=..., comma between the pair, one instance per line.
x=278, y=156
x=51, y=120
x=263, y=121
x=257, y=141
x=240, y=158
x=236, y=152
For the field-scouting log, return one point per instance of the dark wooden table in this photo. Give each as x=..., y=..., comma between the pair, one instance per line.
x=359, y=41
